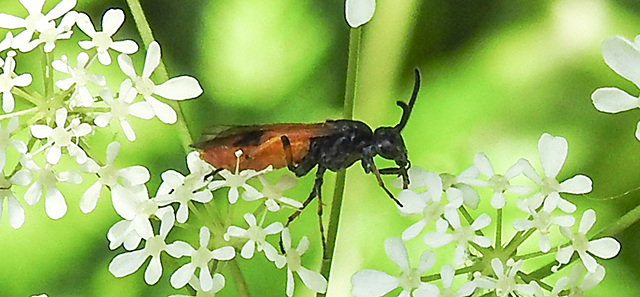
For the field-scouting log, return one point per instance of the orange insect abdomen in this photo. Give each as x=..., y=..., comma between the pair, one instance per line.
x=269, y=151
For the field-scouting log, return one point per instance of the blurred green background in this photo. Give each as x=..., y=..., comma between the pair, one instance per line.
x=496, y=75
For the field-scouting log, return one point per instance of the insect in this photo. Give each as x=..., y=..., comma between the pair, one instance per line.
x=332, y=145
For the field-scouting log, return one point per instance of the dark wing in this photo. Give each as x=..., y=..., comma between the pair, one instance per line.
x=251, y=135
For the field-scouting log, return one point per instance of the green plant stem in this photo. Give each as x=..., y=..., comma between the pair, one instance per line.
x=147, y=38
x=499, y=229
x=241, y=286
x=338, y=193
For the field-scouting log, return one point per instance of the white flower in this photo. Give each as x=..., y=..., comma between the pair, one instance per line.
x=133, y=204
x=462, y=235
x=623, y=56
x=311, y=279
x=256, y=236
x=497, y=182
x=470, y=196
x=541, y=219
x=428, y=204
x=122, y=107
x=127, y=263
x=553, y=153
x=359, y=12
x=235, y=181
x=112, y=20
x=605, y=248
x=504, y=281
x=46, y=180
x=14, y=209
x=447, y=275
x=110, y=176
x=35, y=20
x=78, y=77
x=177, y=188
x=50, y=33
x=218, y=284
x=274, y=193
x=369, y=282
x=200, y=258
x=7, y=82
x=177, y=88
x=5, y=140
x=60, y=137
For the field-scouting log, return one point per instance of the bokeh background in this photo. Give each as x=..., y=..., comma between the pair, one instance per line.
x=496, y=75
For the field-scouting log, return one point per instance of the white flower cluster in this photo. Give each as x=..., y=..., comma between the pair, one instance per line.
x=481, y=263
x=139, y=211
x=74, y=103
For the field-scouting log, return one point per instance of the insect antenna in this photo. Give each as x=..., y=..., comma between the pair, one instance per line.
x=406, y=109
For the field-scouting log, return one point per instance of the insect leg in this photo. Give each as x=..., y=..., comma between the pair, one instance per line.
x=211, y=174
x=316, y=191
x=368, y=163
x=399, y=171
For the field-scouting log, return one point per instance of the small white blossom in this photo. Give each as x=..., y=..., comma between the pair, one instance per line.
x=122, y=107
x=200, y=259
x=428, y=204
x=369, y=282
x=504, y=280
x=235, y=181
x=553, y=153
x=177, y=188
x=128, y=262
x=359, y=12
x=541, y=219
x=497, y=182
x=110, y=175
x=112, y=20
x=605, y=248
x=311, y=279
x=62, y=136
x=46, y=181
x=14, y=209
x=133, y=204
x=35, y=20
x=462, y=235
x=623, y=56
x=7, y=82
x=470, y=196
x=78, y=78
x=256, y=236
x=176, y=88
x=447, y=276
x=50, y=33
x=218, y=284
x=274, y=193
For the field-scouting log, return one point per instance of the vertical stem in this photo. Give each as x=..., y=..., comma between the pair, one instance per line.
x=236, y=273
x=338, y=193
x=499, y=229
x=147, y=37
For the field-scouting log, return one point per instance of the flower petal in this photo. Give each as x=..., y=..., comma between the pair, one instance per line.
x=370, y=282
x=359, y=12
x=623, y=57
x=179, y=88
x=313, y=280
x=182, y=275
x=605, y=248
x=553, y=152
x=578, y=184
x=613, y=100
x=396, y=251
x=127, y=263
x=54, y=204
x=152, y=60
